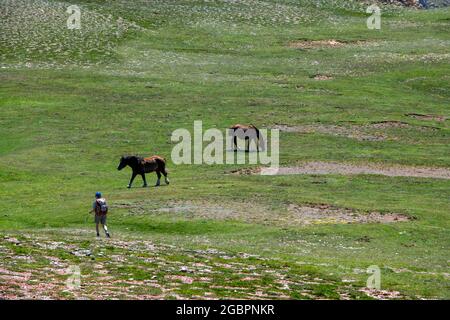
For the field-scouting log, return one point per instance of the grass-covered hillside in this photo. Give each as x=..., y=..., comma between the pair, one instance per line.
x=345, y=98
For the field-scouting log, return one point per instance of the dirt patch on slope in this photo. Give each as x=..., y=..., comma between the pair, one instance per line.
x=315, y=214
x=389, y=124
x=239, y=211
x=245, y=171
x=426, y=117
x=374, y=131
x=284, y=215
x=314, y=44
x=322, y=77
x=349, y=169
x=319, y=168
x=305, y=44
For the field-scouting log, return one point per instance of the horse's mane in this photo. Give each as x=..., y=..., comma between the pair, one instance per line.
x=133, y=156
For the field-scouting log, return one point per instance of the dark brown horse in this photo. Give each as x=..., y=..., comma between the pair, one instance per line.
x=249, y=133
x=142, y=166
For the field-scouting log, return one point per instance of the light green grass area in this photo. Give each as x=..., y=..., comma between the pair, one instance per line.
x=73, y=101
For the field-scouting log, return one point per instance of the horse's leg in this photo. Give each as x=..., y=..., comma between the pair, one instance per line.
x=133, y=175
x=258, y=140
x=255, y=140
x=159, y=177
x=143, y=178
x=235, y=143
x=164, y=172
x=261, y=142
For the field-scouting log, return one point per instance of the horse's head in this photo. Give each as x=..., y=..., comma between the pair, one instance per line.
x=123, y=162
x=132, y=161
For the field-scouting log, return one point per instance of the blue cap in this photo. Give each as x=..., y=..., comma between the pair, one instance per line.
x=98, y=194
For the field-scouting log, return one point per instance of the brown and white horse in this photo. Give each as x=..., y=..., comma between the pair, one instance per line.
x=142, y=166
x=249, y=133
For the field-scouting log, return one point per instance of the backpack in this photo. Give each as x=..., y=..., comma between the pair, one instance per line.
x=102, y=207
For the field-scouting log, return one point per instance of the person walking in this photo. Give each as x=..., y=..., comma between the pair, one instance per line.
x=100, y=210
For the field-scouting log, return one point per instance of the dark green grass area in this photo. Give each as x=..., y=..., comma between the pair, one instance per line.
x=68, y=113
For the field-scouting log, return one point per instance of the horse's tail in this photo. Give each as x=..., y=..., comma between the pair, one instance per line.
x=161, y=161
x=260, y=137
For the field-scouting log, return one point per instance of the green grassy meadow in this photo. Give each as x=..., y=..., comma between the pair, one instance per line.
x=74, y=101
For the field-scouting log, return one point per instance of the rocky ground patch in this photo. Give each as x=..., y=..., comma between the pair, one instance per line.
x=42, y=267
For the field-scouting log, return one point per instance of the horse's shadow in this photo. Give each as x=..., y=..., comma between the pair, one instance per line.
x=242, y=150
x=152, y=186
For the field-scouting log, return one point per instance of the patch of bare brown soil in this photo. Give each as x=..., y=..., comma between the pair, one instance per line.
x=252, y=213
x=428, y=117
x=246, y=171
x=319, y=167
x=286, y=215
x=322, y=77
x=314, y=44
x=316, y=214
x=389, y=124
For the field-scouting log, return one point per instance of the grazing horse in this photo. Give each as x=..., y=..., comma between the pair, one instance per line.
x=249, y=133
x=144, y=165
